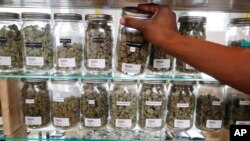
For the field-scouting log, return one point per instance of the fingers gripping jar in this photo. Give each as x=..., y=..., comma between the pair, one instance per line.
x=238, y=33
x=123, y=104
x=152, y=102
x=210, y=106
x=68, y=34
x=10, y=43
x=65, y=103
x=94, y=104
x=36, y=102
x=99, y=44
x=181, y=105
x=191, y=26
x=132, y=48
x=38, y=43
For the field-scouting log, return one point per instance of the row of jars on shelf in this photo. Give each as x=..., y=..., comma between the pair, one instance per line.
x=99, y=103
x=67, y=49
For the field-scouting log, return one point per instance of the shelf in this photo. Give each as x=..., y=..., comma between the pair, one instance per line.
x=204, y=5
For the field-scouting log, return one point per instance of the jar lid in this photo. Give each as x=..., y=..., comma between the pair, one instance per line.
x=32, y=15
x=94, y=81
x=63, y=80
x=98, y=17
x=154, y=81
x=183, y=82
x=34, y=80
x=134, y=12
x=240, y=21
x=192, y=19
x=124, y=81
x=210, y=83
x=9, y=15
x=67, y=16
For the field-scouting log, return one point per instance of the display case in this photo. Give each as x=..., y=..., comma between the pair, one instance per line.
x=14, y=127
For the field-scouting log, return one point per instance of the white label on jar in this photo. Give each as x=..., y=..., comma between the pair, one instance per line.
x=34, y=61
x=181, y=123
x=122, y=103
x=1, y=120
x=61, y=121
x=91, y=102
x=214, y=124
x=161, y=63
x=5, y=60
x=131, y=68
x=182, y=105
x=189, y=67
x=124, y=123
x=242, y=122
x=244, y=102
x=33, y=120
x=153, y=123
x=132, y=49
x=96, y=63
x=58, y=99
x=92, y=122
x=153, y=103
x=216, y=103
x=66, y=62
x=29, y=101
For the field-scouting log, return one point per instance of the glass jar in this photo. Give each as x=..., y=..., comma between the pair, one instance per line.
x=123, y=104
x=210, y=106
x=191, y=26
x=65, y=105
x=38, y=43
x=99, y=44
x=132, y=48
x=68, y=34
x=94, y=104
x=238, y=33
x=35, y=102
x=181, y=105
x=152, y=103
x=237, y=108
x=10, y=43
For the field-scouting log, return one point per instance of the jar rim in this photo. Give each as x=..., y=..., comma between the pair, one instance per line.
x=124, y=81
x=34, y=80
x=135, y=13
x=9, y=15
x=240, y=21
x=67, y=16
x=183, y=82
x=154, y=81
x=35, y=15
x=212, y=83
x=98, y=17
x=192, y=19
x=64, y=80
x=94, y=81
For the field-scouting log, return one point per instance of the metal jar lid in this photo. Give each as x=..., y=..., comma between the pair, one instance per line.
x=240, y=21
x=8, y=15
x=192, y=19
x=154, y=81
x=134, y=12
x=98, y=17
x=32, y=15
x=94, y=81
x=34, y=80
x=125, y=81
x=183, y=82
x=67, y=16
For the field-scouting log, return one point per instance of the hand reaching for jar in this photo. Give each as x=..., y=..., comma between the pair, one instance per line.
x=228, y=65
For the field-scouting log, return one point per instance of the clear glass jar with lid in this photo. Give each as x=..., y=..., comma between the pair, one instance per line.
x=181, y=105
x=99, y=42
x=35, y=102
x=68, y=34
x=65, y=103
x=152, y=103
x=191, y=26
x=38, y=43
x=10, y=43
x=94, y=104
x=237, y=108
x=238, y=33
x=210, y=106
x=123, y=104
x=132, y=49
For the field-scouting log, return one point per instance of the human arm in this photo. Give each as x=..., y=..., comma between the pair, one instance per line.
x=228, y=65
